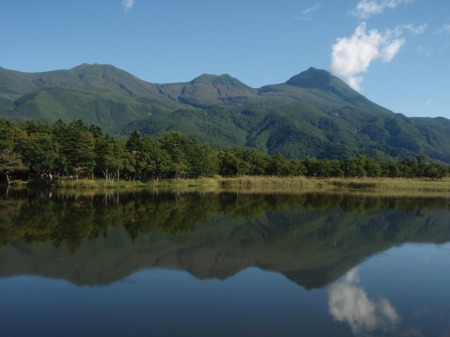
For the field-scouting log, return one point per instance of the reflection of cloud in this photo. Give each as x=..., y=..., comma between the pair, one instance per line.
x=349, y=303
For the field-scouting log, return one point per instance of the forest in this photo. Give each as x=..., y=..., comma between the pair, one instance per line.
x=30, y=150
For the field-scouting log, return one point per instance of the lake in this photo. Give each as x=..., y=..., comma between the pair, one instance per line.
x=155, y=263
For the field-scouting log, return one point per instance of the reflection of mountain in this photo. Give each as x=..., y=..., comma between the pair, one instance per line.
x=311, y=238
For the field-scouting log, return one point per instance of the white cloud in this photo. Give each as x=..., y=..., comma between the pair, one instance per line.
x=392, y=49
x=307, y=14
x=349, y=303
x=425, y=51
x=445, y=29
x=413, y=29
x=127, y=5
x=366, y=8
x=352, y=56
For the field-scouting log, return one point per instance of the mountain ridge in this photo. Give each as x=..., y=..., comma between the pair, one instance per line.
x=312, y=114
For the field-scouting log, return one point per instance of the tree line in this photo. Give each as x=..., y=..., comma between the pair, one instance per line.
x=38, y=149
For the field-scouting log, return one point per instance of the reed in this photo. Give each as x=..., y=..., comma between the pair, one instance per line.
x=95, y=183
x=262, y=183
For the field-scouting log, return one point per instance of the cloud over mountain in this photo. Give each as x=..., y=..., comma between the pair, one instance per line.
x=352, y=56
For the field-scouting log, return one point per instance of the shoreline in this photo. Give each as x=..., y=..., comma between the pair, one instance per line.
x=263, y=183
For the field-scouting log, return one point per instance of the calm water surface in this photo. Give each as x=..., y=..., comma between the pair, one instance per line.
x=223, y=264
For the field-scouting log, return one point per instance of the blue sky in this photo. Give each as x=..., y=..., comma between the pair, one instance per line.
x=395, y=52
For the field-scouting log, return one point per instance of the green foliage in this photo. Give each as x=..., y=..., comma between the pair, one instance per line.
x=154, y=161
x=278, y=166
x=188, y=158
x=59, y=149
x=354, y=167
x=36, y=144
x=134, y=142
x=6, y=137
x=435, y=171
x=313, y=114
x=10, y=162
x=77, y=147
x=235, y=162
x=110, y=157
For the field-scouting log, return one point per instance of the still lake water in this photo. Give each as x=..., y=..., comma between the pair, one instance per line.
x=223, y=264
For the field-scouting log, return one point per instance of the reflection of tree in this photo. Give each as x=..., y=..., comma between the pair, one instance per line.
x=27, y=217
x=311, y=238
x=348, y=302
x=170, y=213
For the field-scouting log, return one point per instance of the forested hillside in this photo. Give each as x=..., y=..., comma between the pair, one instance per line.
x=313, y=114
x=41, y=150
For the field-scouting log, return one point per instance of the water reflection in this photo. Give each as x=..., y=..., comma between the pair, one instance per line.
x=348, y=302
x=312, y=239
x=319, y=271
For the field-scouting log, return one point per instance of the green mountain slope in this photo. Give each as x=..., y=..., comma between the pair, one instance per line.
x=208, y=91
x=98, y=94
x=312, y=114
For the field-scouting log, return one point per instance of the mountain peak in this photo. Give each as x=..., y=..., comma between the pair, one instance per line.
x=312, y=78
x=98, y=70
x=323, y=80
x=209, y=77
x=84, y=66
x=219, y=80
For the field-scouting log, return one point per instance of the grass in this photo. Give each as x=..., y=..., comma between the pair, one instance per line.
x=385, y=186
x=86, y=183
x=394, y=184
x=258, y=183
x=185, y=182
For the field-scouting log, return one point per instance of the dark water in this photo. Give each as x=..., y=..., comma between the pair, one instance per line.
x=223, y=264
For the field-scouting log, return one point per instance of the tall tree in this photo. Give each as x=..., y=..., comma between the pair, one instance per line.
x=6, y=138
x=78, y=148
x=203, y=161
x=134, y=142
x=106, y=158
x=36, y=145
x=10, y=162
x=278, y=166
x=155, y=160
x=176, y=144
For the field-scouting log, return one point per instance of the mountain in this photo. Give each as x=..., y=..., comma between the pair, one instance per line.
x=208, y=91
x=312, y=114
x=98, y=94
